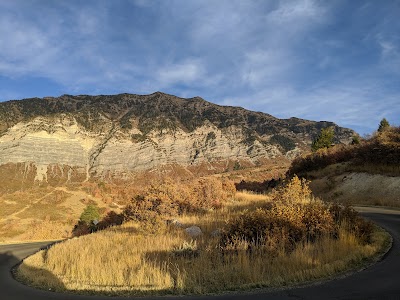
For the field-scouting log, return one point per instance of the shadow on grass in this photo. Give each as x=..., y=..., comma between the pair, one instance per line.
x=49, y=282
x=8, y=262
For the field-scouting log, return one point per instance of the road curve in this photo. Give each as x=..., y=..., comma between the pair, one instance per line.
x=380, y=281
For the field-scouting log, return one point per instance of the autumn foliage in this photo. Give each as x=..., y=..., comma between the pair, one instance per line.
x=161, y=201
x=382, y=149
x=293, y=216
x=172, y=199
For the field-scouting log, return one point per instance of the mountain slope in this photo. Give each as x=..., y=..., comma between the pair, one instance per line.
x=363, y=173
x=76, y=138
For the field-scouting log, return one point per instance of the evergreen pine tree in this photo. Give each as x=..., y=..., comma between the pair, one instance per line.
x=324, y=140
x=383, y=125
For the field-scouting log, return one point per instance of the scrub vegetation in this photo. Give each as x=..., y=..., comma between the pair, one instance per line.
x=379, y=154
x=247, y=241
x=367, y=172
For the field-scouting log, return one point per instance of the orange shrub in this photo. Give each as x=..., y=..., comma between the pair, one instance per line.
x=169, y=198
x=279, y=227
x=318, y=220
x=295, y=191
x=166, y=199
x=293, y=217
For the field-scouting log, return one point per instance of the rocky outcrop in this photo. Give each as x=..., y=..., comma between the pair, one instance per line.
x=87, y=136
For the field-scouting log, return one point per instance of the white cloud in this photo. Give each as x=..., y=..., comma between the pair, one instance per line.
x=77, y=47
x=282, y=57
x=390, y=54
x=266, y=67
x=24, y=49
x=355, y=102
x=186, y=72
x=296, y=11
x=56, y=47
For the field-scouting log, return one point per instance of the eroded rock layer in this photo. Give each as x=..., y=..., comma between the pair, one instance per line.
x=73, y=138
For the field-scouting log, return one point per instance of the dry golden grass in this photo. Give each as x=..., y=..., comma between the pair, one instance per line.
x=122, y=260
x=215, y=219
x=13, y=203
x=250, y=197
x=10, y=229
x=47, y=230
x=17, y=230
x=42, y=213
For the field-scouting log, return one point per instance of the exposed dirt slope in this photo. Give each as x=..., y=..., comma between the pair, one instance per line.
x=359, y=188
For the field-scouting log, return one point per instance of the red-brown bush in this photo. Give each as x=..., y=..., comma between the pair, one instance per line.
x=170, y=199
x=293, y=217
x=382, y=149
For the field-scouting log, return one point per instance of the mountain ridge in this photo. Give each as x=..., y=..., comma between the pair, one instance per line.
x=91, y=136
x=76, y=104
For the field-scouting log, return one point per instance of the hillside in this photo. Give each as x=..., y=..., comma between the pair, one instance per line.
x=365, y=173
x=57, y=155
x=76, y=138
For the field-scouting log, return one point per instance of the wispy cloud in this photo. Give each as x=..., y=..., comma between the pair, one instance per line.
x=26, y=50
x=187, y=72
x=390, y=55
x=322, y=60
x=300, y=12
x=266, y=67
x=354, y=102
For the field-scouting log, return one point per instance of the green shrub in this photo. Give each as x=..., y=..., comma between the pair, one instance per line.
x=90, y=214
x=88, y=221
x=355, y=140
x=324, y=140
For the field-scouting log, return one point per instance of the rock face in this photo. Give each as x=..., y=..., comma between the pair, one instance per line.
x=74, y=138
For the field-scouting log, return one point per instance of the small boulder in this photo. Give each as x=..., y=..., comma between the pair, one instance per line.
x=216, y=232
x=194, y=231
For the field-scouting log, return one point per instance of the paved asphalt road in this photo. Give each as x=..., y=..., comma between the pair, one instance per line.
x=380, y=281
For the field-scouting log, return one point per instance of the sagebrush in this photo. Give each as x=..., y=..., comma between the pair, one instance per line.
x=263, y=241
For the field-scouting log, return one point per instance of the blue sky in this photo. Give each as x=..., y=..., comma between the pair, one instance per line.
x=319, y=60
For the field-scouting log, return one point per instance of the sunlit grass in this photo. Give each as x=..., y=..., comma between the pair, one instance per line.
x=245, y=197
x=123, y=260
